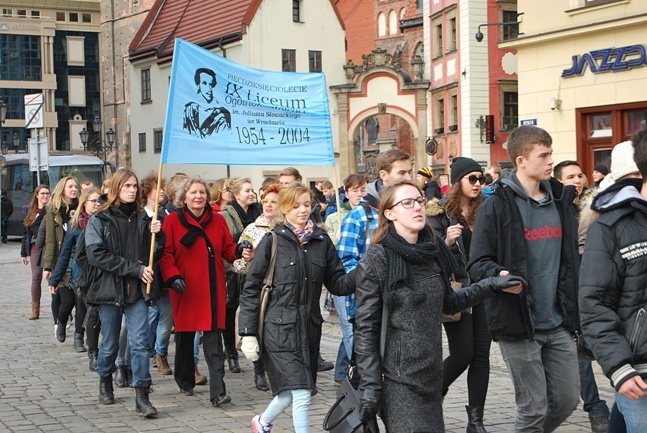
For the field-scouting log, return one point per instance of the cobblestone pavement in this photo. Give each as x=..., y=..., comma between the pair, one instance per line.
x=46, y=386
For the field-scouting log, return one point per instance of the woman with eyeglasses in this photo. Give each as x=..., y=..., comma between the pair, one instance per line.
x=468, y=338
x=57, y=224
x=31, y=251
x=406, y=272
x=220, y=195
x=254, y=233
x=88, y=205
x=243, y=210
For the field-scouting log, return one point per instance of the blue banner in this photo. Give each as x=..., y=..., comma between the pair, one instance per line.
x=220, y=112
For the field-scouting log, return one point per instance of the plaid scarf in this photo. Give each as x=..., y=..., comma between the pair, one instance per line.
x=303, y=234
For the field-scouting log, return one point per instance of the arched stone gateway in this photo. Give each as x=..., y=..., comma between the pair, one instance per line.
x=379, y=88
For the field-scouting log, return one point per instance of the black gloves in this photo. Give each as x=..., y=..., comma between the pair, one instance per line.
x=368, y=409
x=179, y=286
x=497, y=284
x=241, y=246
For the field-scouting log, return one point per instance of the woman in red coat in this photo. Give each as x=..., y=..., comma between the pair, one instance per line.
x=196, y=240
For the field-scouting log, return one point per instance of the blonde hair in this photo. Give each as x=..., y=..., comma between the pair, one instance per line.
x=289, y=194
x=180, y=195
x=57, y=199
x=218, y=187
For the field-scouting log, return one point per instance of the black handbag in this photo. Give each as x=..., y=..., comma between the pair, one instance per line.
x=343, y=416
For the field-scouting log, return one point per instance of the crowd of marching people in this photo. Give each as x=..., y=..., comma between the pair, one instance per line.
x=547, y=266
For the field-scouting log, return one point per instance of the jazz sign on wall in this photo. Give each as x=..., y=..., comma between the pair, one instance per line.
x=608, y=60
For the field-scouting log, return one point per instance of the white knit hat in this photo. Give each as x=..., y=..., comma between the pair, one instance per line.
x=622, y=163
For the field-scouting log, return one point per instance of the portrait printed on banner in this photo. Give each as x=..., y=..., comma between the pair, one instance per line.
x=205, y=117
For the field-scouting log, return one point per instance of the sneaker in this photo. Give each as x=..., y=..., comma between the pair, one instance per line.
x=324, y=365
x=258, y=427
x=599, y=424
x=337, y=383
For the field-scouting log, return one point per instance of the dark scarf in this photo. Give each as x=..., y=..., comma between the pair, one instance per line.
x=402, y=255
x=304, y=234
x=192, y=231
x=246, y=217
x=128, y=208
x=67, y=211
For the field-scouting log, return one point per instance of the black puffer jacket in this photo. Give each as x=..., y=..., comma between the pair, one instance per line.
x=612, y=282
x=498, y=244
x=31, y=233
x=440, y=220
x=292, y=327
x=104, y=251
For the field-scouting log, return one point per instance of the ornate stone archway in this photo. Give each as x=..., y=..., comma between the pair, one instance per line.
x=379, y=88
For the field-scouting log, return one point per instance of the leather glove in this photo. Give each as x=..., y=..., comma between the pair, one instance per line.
x=241, y=246
x=179, y=286
x=368, y=409
x=250, y=347
x=497, y=284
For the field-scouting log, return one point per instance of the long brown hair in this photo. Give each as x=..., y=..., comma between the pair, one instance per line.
x=57, y=200
x=452, y=205
x=118, y=180
x=85, y=196
x=218, y=187
x=387, y=199
x=33, y=206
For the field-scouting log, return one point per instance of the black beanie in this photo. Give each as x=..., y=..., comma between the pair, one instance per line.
x=601, y=168
x=462, y=166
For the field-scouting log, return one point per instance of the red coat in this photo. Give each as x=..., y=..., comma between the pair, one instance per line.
x=187, y=255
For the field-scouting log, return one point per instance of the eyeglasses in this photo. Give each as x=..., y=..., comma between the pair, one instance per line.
x=270, y=202
x=96, y=200
x=408, y=203
x=472, y=179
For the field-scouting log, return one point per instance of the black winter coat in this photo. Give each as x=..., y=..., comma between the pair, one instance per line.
x=440, y=220
x=104, y=251
x=612, y=282
x=498, y=244
x=292, y=326
x=31, y=233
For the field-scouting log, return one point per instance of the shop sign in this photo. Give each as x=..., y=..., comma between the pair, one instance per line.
x=608, y=60
x=529, y=122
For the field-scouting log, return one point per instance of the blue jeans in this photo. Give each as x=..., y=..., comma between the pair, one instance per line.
x=137, y=325
x=546, y=379
x=196, y=347
x=160, y=318
x=634, y=412
x=300, y=399
x=346, y=346
x=589, y=392
x=123, y=355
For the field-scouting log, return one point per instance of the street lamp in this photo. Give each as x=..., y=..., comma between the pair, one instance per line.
x=3, y=110
x=97, y=146
x=16, y=142
x=479, y=35
x=4, y=147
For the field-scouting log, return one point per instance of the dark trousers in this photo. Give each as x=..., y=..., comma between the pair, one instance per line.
x=79, y=315
x=213, y=355
x=56, y=304
x=229, y=333
x=469, y=346
x=68, y=299
x=92, y=329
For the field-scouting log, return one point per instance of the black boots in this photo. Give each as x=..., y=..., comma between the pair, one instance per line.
x=232, y=360
x=92, y=355
x=259, y=376
x=106, y=391
x=123, y=377
x=475, y=419
x=60, y=331
x=78, y=342
x=143, y=405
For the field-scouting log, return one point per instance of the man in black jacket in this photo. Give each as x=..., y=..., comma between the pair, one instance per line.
x=7, y=210
x=528, y=228
x=613, y=297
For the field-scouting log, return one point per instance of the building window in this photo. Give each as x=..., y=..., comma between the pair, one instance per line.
x=142, y=142
x=438, y=38
x=74, y=17
x=20, y=57
x=509, y=31
x=21, y=13
x=451, y=43
x=35, y=14
x=510, y=101
x=296, y=11
x=418, y=6
x=453, y=114
x=7, y=12
x=440, y=115
x=157, y=140
x=87, y=18
x=381, y=24
x=60, y=16
x=289, y=60
x=314, y=58
x=146, y=85
x=393, y=23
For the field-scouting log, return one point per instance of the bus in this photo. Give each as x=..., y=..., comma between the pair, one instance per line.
x=20, y=183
